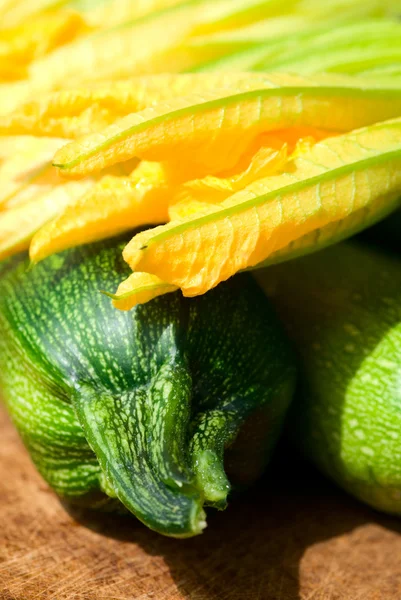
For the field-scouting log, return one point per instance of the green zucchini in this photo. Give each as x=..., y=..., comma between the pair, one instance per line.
x=342, y=308
x=160, y=410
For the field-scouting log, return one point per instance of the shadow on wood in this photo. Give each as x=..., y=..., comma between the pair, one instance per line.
x=293, y=536
x=255, y=549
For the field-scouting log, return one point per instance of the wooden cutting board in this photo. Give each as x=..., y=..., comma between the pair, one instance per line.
x=294, y=536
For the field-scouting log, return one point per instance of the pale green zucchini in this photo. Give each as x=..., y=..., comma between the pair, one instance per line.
x=342, y=308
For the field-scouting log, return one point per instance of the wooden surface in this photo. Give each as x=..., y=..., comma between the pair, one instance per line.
x=293, y=537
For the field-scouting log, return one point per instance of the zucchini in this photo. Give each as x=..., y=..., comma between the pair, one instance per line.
x=160, y=410
x=342, y=307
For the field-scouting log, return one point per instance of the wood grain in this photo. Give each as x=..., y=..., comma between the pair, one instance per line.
x=293, y=537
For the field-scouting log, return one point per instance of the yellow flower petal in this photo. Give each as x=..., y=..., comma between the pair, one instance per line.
x=112, y=205
x=16, y=12
x=117, y=52
x=33, y=38
x=25, y=168
x=359, y=172
x=139, y=288
x=71, y=113
x=212, y=189
x=210, y=133
x=19, y=224
x=184, y=210
x=14, y=93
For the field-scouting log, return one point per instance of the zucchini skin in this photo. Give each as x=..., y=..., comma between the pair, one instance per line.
x=342, y=308
x=141, y=409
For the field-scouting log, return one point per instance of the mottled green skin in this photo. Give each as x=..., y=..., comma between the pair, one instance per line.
x=342, y=307
x=140, y=405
